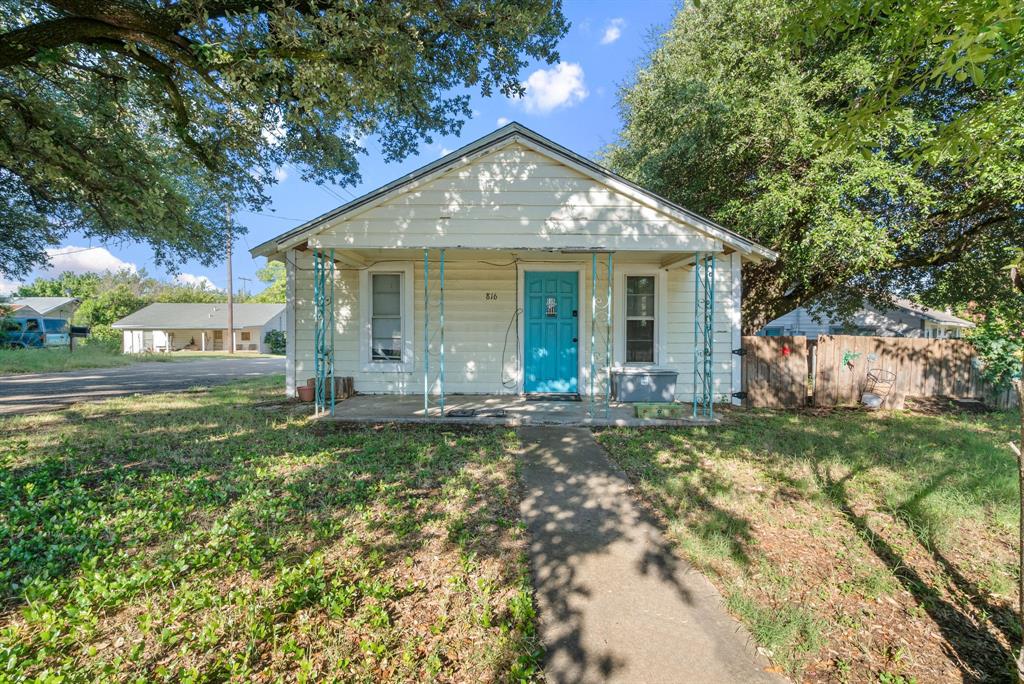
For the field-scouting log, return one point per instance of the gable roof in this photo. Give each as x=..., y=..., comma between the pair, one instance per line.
x=23, y=310
x=45, y=305
x=932, y=314
x=514, y=132
x=198, y=316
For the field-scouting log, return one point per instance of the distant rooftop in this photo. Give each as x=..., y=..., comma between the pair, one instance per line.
x=44, y=305
x=932, y=314
x=198, y=316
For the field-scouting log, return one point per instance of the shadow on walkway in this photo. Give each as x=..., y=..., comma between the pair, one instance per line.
x=615, y=603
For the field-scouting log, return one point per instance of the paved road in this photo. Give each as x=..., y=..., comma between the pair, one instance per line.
x=50, y=391
x=616, y=605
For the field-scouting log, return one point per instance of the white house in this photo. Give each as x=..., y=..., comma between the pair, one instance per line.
x=487, y=272
x=51, y=307
x=904, y=319
x=199, y=327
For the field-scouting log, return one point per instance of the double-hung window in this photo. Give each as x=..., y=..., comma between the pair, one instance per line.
x=386, y=317
x=640, y=319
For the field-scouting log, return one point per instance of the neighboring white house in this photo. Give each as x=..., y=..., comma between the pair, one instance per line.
x=199, y=327
x=51, y=307
x=513, y=225
x=904, y=319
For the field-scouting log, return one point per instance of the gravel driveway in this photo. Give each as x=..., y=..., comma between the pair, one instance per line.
x=49, y=391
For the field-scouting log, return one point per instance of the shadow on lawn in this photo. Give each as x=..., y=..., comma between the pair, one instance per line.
x=976, y=652
x=287, y=489
x=923, y=462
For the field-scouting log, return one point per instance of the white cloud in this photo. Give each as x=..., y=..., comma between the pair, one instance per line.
x=613, y=31
x=444, y=151
x=559, y=86
x=83, y=260
x=474, y=114
x=502, y=120
x=280, y=174
x=8, y=286
x=199, y=281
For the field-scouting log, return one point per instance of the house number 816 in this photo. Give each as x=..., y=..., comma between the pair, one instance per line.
x=491, y=296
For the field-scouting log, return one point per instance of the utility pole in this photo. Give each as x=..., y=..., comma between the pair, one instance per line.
x=231, y=299
x=245, y=286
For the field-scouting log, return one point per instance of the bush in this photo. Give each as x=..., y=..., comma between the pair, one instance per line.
x=1000, y=350
x=275, y=341
x=104, y=336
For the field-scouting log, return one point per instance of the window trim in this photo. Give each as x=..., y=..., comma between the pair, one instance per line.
x=660, y=314
x=369, y=365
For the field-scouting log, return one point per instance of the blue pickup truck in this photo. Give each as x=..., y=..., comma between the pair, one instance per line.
x=22, y=332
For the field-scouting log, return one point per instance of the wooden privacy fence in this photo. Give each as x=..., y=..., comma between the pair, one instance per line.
x=923, y=368
x=775, y=371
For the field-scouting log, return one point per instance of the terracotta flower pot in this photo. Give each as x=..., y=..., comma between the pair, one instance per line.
x=306, y=393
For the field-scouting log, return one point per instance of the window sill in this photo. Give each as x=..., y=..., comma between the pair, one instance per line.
x=387, y=367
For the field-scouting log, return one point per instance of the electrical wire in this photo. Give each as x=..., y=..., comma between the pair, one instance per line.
x=511, y=382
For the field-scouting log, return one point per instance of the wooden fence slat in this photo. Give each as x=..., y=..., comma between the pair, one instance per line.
x=923, y=367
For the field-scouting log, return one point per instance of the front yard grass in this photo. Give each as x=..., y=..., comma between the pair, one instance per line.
x=215, y=535
x=857, y=547
x=58, y=359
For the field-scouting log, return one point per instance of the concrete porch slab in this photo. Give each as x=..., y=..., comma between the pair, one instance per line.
x=491, y=409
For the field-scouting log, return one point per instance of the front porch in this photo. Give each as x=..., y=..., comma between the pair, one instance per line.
x=494, y=410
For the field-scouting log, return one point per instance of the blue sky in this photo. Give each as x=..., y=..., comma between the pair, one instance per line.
x=573, y=102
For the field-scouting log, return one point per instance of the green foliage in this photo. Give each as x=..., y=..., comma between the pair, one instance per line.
x=808, y=522
x=275, y=276
x=1001, y=346
x=66, y=284
x=275, y=341
x=193, y=537
x=970, y=52
x=142, y=121
x=104, y=336
x=733, y=117
x=109, y=306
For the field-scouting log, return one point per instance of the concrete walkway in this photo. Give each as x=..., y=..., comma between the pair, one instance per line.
x=615, y=604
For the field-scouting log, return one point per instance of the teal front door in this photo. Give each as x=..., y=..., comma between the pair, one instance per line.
x=551, y=342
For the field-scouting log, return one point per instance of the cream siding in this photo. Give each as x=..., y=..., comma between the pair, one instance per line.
x=481, y=343
x=514, y=198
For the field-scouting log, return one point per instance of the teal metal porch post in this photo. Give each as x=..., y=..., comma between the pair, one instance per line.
x=426, y=333
x=593, y=336
x=330, y=331
x=608, y=340
x=323, y=331
x=704, y=336
x=441, y=316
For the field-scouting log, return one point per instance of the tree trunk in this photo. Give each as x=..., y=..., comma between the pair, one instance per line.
x=1020, y=573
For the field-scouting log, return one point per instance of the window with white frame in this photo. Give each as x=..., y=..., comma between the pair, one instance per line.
x=640, y=318
x=386, y=317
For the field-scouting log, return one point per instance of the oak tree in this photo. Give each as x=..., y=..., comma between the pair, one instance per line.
x=141, y=120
